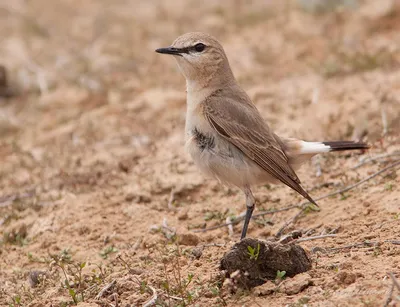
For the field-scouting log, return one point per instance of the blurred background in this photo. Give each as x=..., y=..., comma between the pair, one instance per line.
x=70, y=63
x=91, y=116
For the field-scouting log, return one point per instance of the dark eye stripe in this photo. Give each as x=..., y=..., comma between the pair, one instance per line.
x=185, y=50
x=190, y=49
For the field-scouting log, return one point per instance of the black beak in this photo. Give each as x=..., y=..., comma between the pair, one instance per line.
x=170, y=50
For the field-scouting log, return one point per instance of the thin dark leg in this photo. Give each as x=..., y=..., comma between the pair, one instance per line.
x=250, y=203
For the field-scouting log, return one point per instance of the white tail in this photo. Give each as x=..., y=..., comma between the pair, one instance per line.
x=299, y=151
x=313, y=147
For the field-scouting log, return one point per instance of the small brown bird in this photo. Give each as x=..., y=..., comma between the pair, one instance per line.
x=226, y=135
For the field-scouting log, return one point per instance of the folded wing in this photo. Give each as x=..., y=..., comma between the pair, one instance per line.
x=240, y=123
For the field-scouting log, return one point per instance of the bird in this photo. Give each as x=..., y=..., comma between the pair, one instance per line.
x=226, y=135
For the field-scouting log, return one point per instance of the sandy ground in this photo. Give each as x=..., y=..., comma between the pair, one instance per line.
x=99, y=202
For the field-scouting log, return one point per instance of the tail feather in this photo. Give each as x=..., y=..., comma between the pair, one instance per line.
x=321, y=147
x=345, y=145
x=299, y=151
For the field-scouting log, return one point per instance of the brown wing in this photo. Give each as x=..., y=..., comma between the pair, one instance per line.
x=240, y=123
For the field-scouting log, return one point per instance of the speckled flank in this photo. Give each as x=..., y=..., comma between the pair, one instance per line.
x=203, y=140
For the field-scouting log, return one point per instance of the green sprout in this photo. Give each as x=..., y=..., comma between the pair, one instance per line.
x=254, y=252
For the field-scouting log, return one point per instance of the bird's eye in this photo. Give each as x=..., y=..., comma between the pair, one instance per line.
x=199, y=47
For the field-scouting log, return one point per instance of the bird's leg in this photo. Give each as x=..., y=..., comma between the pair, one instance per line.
x=250, y=203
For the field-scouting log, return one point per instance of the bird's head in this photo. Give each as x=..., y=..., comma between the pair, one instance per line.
x=201, y=59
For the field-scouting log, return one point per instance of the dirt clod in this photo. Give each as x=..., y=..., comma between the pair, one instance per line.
x=346, y=278
x=5, y=89
x=182, y=216
x=188, y=239
x=35, y=277
x=266, y=289
x=297, y=284
x=3, y=76
x=260, y=260
x=138, y=198
x=136, y=271
x=197, y=252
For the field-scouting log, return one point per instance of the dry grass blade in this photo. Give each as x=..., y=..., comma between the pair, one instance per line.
x=376, y=158
x=316, y=237
x=365, y=244
x=171, y=200
x=174, y=297
x=395, y=282
x=153, y=299
x=137, y=243
x=291, y=221
x=230, y=227
x=262, y=213
x=384, y=122
x=105, y=289
x=389, y=296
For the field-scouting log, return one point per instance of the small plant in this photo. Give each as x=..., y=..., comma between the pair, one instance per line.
x=214, y=215
x=254, y=252
x=310, y=208
x=16, y=301
x=107, y=251
x=388, y=186
x=215, y=291
x=174, y=283
x=65, y=255
x=377, y=251
x=264, y=222
x=16, y=236
x=280, y=275
x=334, y=267
x=143, y=287
x=33, y=258
x=72, y=271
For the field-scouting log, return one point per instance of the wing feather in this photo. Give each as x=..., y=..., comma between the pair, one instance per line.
x=242, y=125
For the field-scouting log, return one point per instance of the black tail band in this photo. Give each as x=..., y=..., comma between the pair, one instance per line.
x=346, y=145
